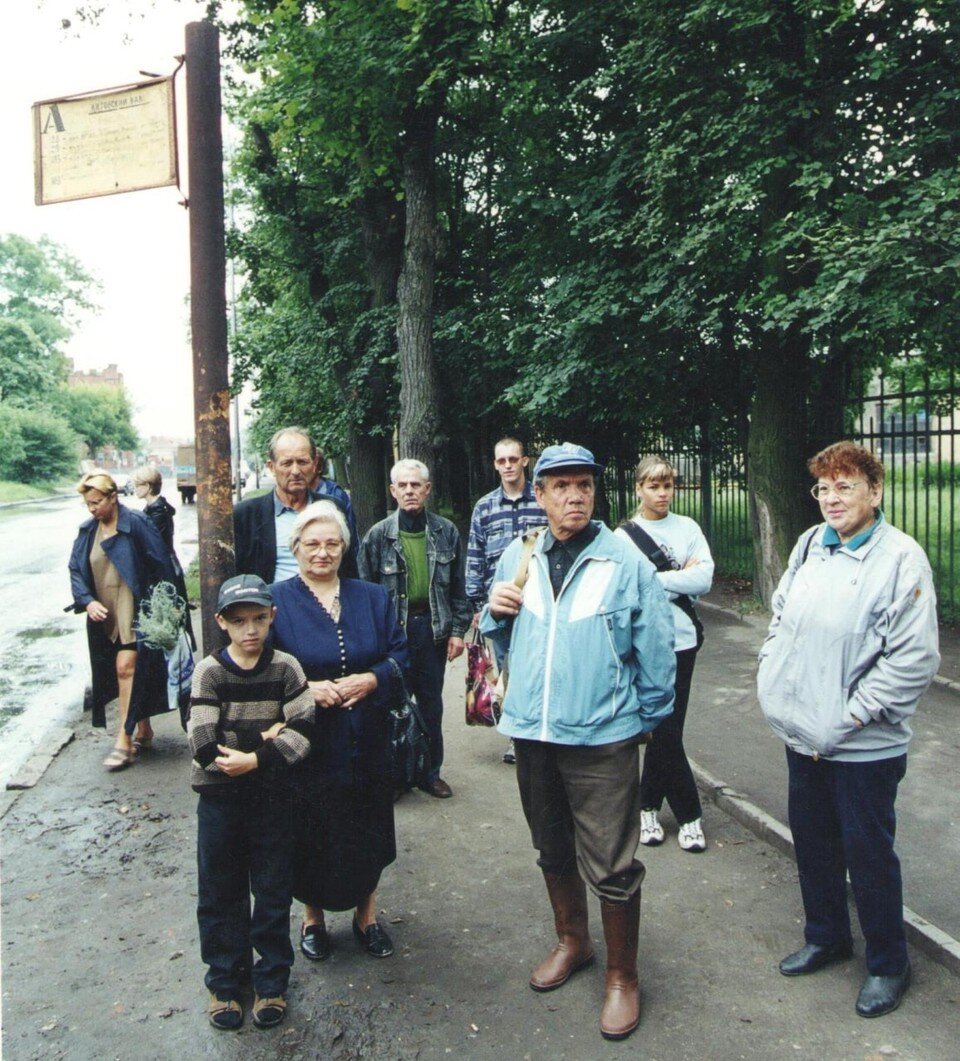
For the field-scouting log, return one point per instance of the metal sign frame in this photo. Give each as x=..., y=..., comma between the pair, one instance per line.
x=100, y=101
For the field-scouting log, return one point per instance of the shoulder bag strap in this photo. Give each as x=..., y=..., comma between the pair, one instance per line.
x=526, y=553
x=807, y=544
x=660, y=561
x=647, y=546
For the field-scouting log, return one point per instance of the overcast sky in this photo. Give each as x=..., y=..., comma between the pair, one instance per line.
x=136, y=244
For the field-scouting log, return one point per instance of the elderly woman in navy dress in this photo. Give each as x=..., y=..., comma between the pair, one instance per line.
x=345, y=635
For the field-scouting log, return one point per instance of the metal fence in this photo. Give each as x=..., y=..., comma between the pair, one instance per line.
x=911, y=424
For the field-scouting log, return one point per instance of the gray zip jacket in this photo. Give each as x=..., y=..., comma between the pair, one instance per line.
x=381, y=561
x=853, y=636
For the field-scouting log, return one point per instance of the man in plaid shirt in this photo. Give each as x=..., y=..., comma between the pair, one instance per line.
x=498, y=518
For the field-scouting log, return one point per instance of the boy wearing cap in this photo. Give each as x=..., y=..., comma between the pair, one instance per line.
x=592, y=666
x=251, y=718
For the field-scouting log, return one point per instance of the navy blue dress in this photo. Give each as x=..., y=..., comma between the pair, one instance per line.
x=345, y=830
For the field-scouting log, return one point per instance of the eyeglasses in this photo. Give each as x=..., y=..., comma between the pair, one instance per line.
x=329, y=547
x=841, y=489
x=508, y=460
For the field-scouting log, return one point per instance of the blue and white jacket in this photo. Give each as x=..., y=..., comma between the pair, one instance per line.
x=597, y=664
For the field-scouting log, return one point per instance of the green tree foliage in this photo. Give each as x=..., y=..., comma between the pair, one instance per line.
x=650, y=218
x=35, y=446
x=99, y=415
x=43, y=287
x=43, y=290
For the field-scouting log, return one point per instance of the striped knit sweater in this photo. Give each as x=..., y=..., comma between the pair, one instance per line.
x=232, y=706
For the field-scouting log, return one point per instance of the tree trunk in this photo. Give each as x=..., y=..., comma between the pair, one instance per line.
x=381, y=227
x=777, y=449
x=419, y=417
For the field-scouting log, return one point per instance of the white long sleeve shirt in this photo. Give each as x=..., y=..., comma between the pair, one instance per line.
x=681, y=540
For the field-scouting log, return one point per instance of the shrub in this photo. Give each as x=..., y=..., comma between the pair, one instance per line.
x=35, y=446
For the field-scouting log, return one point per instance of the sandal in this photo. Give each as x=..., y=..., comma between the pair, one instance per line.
x=225, y=1014
x=269, y=1012
x=142, y=744
x=119, y=759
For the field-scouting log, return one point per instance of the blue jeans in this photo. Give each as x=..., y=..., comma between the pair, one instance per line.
x=428, y=664
x=244, y=845
x=842, y=817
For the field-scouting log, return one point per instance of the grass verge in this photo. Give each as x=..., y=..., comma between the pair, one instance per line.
x=10, y=491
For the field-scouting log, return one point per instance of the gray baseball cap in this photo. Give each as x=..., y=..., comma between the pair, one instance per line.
x=243, y=589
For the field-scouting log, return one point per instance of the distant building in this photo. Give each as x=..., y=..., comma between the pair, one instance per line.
x=111, y=376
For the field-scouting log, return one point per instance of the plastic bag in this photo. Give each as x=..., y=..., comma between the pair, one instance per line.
x=482, y=702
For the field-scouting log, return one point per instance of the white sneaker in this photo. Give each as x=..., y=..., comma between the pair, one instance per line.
x=691, y=837
x=651, y=831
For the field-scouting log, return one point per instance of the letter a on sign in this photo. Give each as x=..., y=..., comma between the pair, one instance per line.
x=53, y=117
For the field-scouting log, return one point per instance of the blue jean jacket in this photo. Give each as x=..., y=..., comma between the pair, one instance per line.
x=381, y=560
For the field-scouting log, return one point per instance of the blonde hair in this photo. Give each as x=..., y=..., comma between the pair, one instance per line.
x=655, y=466
x=97, y=481
x=148, y=476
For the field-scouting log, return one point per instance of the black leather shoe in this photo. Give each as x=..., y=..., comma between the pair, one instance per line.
x=811, y=957
x=439, y=789
x=373, y=939
x=315, y=943
x=882, y=994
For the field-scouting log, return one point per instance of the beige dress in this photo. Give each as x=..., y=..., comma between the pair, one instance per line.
x=113, y=593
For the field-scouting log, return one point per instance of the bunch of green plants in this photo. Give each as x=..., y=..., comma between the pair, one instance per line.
x=161, y=617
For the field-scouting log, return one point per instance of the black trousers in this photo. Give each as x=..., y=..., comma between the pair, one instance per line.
x=666, y=771
x=428, y=665
x=842, y=817
x=244, y=845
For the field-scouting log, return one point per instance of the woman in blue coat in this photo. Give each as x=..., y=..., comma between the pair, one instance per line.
x=345, y=635
x=117, y=558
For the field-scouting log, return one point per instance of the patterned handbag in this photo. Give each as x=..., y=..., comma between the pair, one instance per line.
x=482, y=703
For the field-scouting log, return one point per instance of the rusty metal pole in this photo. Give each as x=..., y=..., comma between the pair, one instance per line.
x=208, y=320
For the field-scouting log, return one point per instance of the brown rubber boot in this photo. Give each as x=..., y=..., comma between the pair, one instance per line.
x=621, y=1004
x=568, y=896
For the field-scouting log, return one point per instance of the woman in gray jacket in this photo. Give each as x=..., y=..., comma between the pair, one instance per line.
x=852, y=647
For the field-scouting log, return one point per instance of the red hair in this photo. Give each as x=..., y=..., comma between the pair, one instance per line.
x=846, y=458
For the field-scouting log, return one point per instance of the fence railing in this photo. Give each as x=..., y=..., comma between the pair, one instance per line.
x=913, y=429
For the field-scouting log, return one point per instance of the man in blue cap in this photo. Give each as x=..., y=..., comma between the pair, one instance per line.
x=590, y=636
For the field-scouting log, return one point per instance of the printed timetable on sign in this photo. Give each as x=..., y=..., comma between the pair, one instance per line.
x=105, y=142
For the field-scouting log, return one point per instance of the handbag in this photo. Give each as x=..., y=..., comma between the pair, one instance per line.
x=662, y=562
x=482, y=701
x=409, y=744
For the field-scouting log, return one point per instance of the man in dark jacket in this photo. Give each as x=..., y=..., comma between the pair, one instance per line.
x=261, y=525
x=417, y=556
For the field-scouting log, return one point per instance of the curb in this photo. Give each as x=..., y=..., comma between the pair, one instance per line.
x=926, y=937
x=761, y=624
x=35, y=500
x=34, y=768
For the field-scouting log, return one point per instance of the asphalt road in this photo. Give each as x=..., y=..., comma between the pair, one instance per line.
x=100, y=951
x=44, y=666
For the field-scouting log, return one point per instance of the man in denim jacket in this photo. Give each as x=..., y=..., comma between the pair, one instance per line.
x=417, y=556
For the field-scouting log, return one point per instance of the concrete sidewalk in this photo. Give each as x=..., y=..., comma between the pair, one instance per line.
x=100, y=952
x=729, y=739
